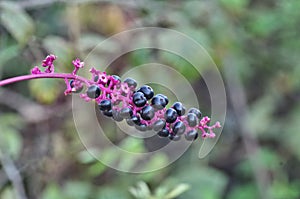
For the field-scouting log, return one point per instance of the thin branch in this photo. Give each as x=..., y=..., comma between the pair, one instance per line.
x=239, y=103
x=13, y=175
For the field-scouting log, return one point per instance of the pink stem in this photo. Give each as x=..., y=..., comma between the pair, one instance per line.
x=43, y=75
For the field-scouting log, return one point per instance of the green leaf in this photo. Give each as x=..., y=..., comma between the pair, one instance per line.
x=52, y=191
x=16, y=21
x=10, y=141
x=77, y=190
x=111, y=193
x=8, y=53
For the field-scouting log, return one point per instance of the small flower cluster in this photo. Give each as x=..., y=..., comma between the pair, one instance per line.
x=122, y=100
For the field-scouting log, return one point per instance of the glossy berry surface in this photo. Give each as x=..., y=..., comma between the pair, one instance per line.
x=116, y=116
x=191, y=119
x=130, y=82
x=174, y=137
x=107, y=113
x=196, y=111
x=93, y=92
x=136, y=119
x=179, y=128
x=105, y=105
x=126, y=113
x=191, y=135
x=130, y=122
x=159, y=101
x=171, y=115
x=159, y=125
x=141, y=127
x=147, y=113
x=180, y=109
x=147, y=90
x=163, y=133
x=139, y=99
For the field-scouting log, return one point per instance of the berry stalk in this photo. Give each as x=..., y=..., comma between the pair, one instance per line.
x=44, y=75
x=120, y=100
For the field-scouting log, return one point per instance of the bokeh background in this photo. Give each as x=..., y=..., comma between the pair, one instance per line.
x=254, y=43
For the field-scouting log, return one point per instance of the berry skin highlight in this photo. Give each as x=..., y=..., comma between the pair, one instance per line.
x=140, y=107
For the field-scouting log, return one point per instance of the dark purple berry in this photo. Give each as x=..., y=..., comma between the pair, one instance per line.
x=78, y=90
x=191, y=119
x=130, y=122
x=107, y=113
x=158, y=125
x=139, y=99
x=126, y=113
x=141, y=127
x=174, y=137
x=136, y=119
x=159, y=101
x=96, y=78
x=147, y=113
x=147, y=90
x=196, y=111
x=105, y=105
x=179, y=128
x=163, y=133
x=165, y=97
x=191, y=135
x=180, y=109
x=171, y=115
x=130, y=82
x=93, y=92
x=116, y=116
x=116, y=77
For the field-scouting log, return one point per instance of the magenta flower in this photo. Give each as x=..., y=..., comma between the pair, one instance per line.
x=36, y=70
x=77, y=64
x=48, y=62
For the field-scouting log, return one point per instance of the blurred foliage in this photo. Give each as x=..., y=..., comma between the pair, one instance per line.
x=258, y=40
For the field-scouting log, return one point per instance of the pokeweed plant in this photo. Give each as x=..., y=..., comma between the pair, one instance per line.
x=122, y=100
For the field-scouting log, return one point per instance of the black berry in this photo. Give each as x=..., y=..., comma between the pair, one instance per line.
x=196, y=111
x=105, y=105
x=107, y=113
x=179, y=128
x=139, y=99
x=158, y=125
x=171, y=115
x=191, y=135
x=126, y=112
x=130, y=82
x=174, y=137
x=136, y=119
x=147, y=90
x=180, y=109
x=141, y=127
x=191, y=119
x=163, y=133
x=159, y=101
x=93, y=92
x=78, y=90
x=130, y=122
x=147, y=113
x=116, y=116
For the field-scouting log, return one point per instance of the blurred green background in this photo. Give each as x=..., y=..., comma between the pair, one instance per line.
x=256, y=46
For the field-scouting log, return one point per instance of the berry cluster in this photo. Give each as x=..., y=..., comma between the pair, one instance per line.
x=122, y=100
